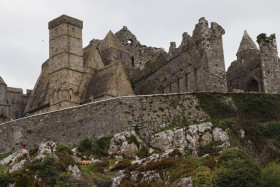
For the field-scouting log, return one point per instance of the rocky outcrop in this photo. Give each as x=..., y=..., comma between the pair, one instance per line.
x=11, y=159
x=125, y=144
x=185, y=182
x=45, y=148
x=75, y=171
x=191, y=137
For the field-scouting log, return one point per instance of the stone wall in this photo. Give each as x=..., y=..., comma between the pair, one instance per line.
x=146, y=114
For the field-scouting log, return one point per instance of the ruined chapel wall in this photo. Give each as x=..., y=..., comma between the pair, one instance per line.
x=196, y=65
x=146, y=113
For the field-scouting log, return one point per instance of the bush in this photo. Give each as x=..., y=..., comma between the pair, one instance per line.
x=86, y=145
x=23, y=180
x=101, y=166
x=143, y=152
x=231, y=154
x=33, y=152
x=62, y=149
x=98, y=148
x=48, y=169
x=203, y=179
x=121, y=165
x=270, y=175
x=4, y=180
x=236, y=169
x=258, y=105
x=166, y=163
x=211, y=149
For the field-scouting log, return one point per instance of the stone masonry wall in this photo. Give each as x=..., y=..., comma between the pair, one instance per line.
x=146, y=114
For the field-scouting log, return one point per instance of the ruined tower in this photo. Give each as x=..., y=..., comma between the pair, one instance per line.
x=3, y=101
x=270, y=63
x=65, y=61
x=245, y=73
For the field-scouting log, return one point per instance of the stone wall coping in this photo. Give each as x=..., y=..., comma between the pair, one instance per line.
x=96, y=102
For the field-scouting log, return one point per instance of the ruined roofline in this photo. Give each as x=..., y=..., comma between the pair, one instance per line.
x=188, y=42
x=15, y=90
x=247, y=44
x=2, y=81
x=264, y=38
x=65, y=19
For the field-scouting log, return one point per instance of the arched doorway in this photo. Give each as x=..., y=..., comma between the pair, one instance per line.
x=253, y=86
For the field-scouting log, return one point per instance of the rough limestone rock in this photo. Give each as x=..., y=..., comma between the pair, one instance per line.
x=185, y=182
x=11, y=159
x=242, y=133
x=147, y=176
x=75, y=171
x=46, y=148
x=220, y=135
x=117, y=180
x=158, y=157
x=191, y=137
x=163, y=140
x=17, y=166
x=124, y=144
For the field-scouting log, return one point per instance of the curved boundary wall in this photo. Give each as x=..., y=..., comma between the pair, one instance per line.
x=147, y=114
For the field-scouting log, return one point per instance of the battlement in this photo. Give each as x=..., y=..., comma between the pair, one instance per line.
x=65, y=19
x=264, y=39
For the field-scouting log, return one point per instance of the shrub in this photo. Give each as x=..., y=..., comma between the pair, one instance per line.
x=270, y=175
x=86, y=145
x=236, y=169
x=203, y=179
x=34, y=151
x=211, y=149
x=23, y=180
x=143, y=152
x=4, y=180
x=272, y=130
x=160, y=165
x=231, y=154
x=258, y=105
x=98, y=148
x=101, y=166
x=48, y=169
x=62, y=149
x=121, y=165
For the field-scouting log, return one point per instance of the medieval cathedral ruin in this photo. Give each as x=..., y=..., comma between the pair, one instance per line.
x=119, y=65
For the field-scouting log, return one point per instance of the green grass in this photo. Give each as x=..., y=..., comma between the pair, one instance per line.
x=2, y=156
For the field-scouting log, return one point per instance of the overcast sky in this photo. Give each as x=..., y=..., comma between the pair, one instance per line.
x=24, y=26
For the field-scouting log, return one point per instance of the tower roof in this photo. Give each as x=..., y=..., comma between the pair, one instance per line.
x=247, y=43
x=2, y=81
x=65, y=19
x=111, y=41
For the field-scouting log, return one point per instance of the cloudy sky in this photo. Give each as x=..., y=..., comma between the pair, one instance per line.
x=24, y=26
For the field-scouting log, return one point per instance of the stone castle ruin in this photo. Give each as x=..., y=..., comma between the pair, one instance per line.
x=119, y=65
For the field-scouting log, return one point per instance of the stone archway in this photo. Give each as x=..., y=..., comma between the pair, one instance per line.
x=253, y=86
